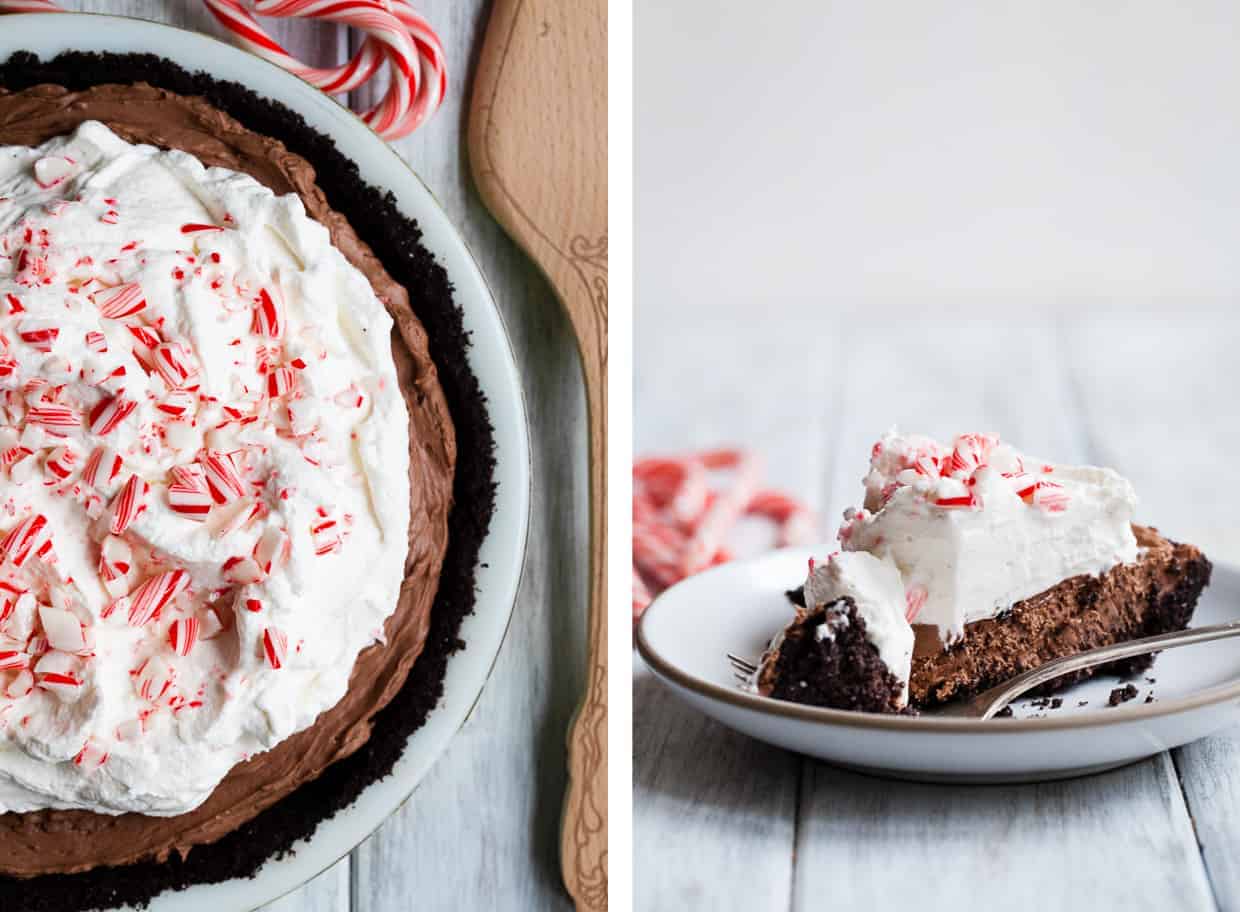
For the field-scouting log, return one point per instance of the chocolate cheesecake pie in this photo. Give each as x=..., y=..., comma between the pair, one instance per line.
x=967, y=565
x=236, y=537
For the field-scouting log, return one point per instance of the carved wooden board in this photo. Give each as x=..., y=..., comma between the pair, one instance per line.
x=538, y=146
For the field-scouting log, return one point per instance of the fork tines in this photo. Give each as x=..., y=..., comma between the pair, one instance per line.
x=742, y=665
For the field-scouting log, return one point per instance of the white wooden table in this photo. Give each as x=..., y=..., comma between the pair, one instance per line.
x=482, y=831
x=723, y=822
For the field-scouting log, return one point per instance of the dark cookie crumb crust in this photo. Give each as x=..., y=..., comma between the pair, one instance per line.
x=843, y=672
x=395, y=239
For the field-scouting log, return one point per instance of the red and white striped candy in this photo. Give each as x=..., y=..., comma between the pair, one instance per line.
x=914, y=601
x=57, y=673
x=242, y=571
x=1024, y=485
x=673, y=506
x=326, y=534
x=394, y=33
x=40, y=334
x=19, y=614
x=174, y=363
x=128, y=504
x=13, y=659
x=1050, y=497
x=55, y=418
x=61, y=463
x=275, y=646
x=239, y=515
x=10, y=372
x=102, y=469
x=724, y=511
x=109, y=413
x=177, y=404
x=121, y=301
x=149, y=599
x=188, y=493
x=281, y=381
x=115, y=566
x=272, y=549
x=956, y=502
x=30, y=536
x=223, y=479
x=268, y=315
x=97, y=342
x=15, y=304
x=153, y=678
x=183, y=634
x=970, y=453
x=145, y=337
x=92, y=755
x=51, y=170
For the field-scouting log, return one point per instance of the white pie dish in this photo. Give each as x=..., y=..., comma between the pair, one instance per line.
x=491, y=359
x=685, y=634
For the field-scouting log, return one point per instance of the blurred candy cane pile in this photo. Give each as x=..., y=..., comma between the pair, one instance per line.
x=395, y=35
x=682, y=515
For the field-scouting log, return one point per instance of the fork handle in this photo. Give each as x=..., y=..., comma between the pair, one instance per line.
x=989, y=702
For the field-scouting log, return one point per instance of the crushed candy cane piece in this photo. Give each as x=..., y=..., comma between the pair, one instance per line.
x=121, y=301
x=275, y=647
x=128, y=504
x=148, y=600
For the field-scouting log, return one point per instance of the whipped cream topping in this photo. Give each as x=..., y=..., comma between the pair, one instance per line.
x=975, y=526
x=204, y=491
x=876, y=589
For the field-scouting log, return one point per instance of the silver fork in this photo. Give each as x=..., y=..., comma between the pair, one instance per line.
x=989, y=702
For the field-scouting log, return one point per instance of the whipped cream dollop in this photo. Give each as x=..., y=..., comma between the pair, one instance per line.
x=204, y=486
x=877, y=590
x=975, y=526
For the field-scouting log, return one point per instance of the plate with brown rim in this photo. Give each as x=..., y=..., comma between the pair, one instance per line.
x=1188, y=693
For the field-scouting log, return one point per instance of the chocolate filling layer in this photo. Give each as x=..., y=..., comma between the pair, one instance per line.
x=840, y=669
x=1155, y=594
x=69, y=841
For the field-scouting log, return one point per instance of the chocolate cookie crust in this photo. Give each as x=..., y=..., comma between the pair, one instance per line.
x=395, y=240
x=842, y=670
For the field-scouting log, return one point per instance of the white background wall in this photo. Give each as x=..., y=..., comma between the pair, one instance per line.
x=982, y=155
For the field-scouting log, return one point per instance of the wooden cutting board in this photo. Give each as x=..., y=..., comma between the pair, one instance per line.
x=538, y=147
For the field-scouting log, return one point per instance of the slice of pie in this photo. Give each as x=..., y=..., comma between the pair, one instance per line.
x=969, y=564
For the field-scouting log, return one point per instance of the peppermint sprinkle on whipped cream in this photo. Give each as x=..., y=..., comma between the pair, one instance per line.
x=204, y=475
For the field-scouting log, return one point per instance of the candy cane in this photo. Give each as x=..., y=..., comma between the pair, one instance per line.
x=680, y=523
x=722, y=515
x=395, y=35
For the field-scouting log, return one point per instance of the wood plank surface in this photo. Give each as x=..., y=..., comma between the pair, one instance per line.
x=482, y=831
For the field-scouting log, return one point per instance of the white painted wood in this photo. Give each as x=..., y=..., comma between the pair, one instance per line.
x=1116, y=841
x=482, y=832
x=1173, y=382
x=483, y=829
x=1069, y=387
x=714, y=812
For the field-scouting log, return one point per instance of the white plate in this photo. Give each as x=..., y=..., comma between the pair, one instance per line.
x=686, y=633
x=491, y=360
